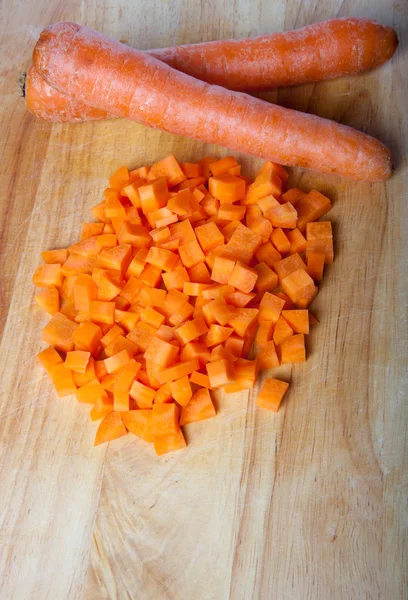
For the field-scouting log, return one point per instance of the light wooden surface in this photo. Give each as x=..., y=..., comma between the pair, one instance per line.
x=310, y=503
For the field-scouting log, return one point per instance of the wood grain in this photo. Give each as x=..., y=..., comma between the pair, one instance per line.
x=308, y=503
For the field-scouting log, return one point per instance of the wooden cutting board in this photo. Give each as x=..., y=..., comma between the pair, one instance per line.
x=306, y=504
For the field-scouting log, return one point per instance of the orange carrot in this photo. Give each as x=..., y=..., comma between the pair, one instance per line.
x=271, y=395
x=326, y=50
x=111, y=428
x=271, y=132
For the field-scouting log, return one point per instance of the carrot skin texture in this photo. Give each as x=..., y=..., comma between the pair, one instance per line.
x=325, y=50
x=73, y=59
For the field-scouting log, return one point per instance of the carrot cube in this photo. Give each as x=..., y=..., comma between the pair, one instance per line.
x=178, y=371
x=243, y=320
x=220, y=372
x=209, y=236
x=102, y=312
x=297, y=241
x=165, y=419
x=292, y=349
x=231, y=212
x=281, y=331
x=77, y=360
x=87, y=337
x=243, y=244
x=191, y=254
x=154, y=195
x=48, y=358
x=59, y=332
x=293, y=196
x=315, y=264
x=272, y=393
x=320, y=239
x=191, y=330
x=49, y=300
x=48, y=274
x=222, y=269
x=142, y=394
x=199, y=407
x=161, y=352
x=265, y=184
x=162, y=259
x=218, y=167
x=243, y=277
x=200, y=379
x=53, y=257
x=168, y=168
x=267, y=357
x=288, y=265
x=300, y=288
x=62, y=380
x=267, y=279
x=280, y=240
x=134, y=234
x=169, y=443
x=138, y=263
x=111, y=428
x=297, y=319
x=139, y=422
x=181, y=390
x=142, y=335
x=311, y=207
x=117, y=361
x=283, y=215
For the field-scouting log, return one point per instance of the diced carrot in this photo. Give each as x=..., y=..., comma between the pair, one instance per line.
x=239, y=299
x=191, y=254
x=165, y=419
x=265, y=184
x=169, y=168
x=59, y=332
x=311, y=207
x=199, y=407
x=281, y=331
x=320, y=239
x=243, y=277
x=47, y=275
x=102, y=312
x=195, y=350
x=62, y=379
x=283, y=215
x=219, y=167
x=87, y=337
x=169, y=443
x=119, y=178
x=176, y=278
x=88, y=375
x=266, y=203
x=139, y=422
x=300, y=288
x=142, y=394
x=117, y=361
x=199, y=273
x=48, y=358
x=121, y=343
x=265, y=332
x=293, y=196
x=191, y=169
x=222, y=269
x=315, y=264
x=53, y=257
x=161, y=352
x=243, y=244
x=280, y=240
x=191, y=330
x=178, y=371
x=297, y=241
x=272, y=393
x=163, y=394
x=85, y=290
x=267, y=357
x=117, y=258
x=209, y=236
x=297, y=319
x=217, y=335
x=200, y=379
x=288, y=265
x=267, y=279
x=153, y=195
x=220, y=372
x=49, y=300
x=137, y=263
x=292, y=349
x=77, y=360
x=111, y=428
x=243, y=320
x=231, y=212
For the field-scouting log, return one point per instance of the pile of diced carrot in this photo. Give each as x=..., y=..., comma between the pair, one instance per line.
x=189, y=270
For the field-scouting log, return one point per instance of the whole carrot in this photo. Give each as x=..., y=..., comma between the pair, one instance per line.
x=127, y=83
x=326, y=50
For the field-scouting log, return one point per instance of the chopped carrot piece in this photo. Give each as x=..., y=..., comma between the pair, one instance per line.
x=49, y=300
x=297, y=319
x=283, y=215
x=199, y=407
x=217, y=335
x=265, y=184
x=243, y=277
x=161, y=352
x=62, y=379
x=320, y=239
x=209, y=236
x=102, y=312
x=311, y=207
x=85, y=290
x=243, y=320
x=272, y=393
x=288, y=265
x=300, y=288
x=87, y=337
x=267, y=279
x=117, y=361
x=191, y=254
x=315, y=264
x=297, y=241
x=169, y=443
x=53, y=257
x=111, y=428
x=139, y=422
x=267, y=357
x=280, y=240
x=176, y=278
x=265, y=332
x=281, y=331
x=163, y=394
x=142, y=394
x=154, y=195
x=102, y=408
x=178, y=371
x=218, y=167
x=165, y=419
x=59, y=332
x=220, y=372
x=191, y=330
x=200, y=379
x=169, y=168
x=293, y=196
x=292, y=349
x=47, y=275
x=48, y=358
x=77, y=360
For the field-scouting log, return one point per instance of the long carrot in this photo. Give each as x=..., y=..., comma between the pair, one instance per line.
x=326, y=50
x=127, y=83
